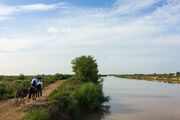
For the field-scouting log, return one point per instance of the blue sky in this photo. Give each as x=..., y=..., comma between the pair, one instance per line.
x=80, y=3
x=125, y=36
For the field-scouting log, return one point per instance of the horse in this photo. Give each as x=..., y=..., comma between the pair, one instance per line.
x=20, y=94
x=39, y=90
x=32, y=93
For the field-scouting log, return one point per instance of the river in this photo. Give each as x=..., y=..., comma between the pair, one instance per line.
x=139, y=100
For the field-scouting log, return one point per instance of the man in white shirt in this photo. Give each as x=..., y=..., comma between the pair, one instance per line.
x=39, y=87
x=34, y=82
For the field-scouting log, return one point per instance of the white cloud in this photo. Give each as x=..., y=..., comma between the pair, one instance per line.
x=168, y=14
x=6, y=11
x=129, y=6
x=53, y=30
x=17, y=43
x=39, y=7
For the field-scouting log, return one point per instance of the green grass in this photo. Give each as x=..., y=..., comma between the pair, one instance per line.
x=37, y=114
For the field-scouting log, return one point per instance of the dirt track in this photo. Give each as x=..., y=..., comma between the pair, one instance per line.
x=9, y=112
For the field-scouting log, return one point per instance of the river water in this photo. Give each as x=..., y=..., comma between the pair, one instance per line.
x=139, y=100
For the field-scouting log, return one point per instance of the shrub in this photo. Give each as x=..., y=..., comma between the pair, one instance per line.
x=90, y=96
x=2, y=89
x=1, y=77
x=3, y=92
x=37, y=114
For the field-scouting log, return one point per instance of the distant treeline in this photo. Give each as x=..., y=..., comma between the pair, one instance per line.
x=165, y=77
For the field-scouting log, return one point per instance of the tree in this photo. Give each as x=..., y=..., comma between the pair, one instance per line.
x=177, y=73
x=21, y=77
x=85, y=69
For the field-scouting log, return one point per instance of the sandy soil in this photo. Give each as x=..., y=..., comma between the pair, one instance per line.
x=9, y=112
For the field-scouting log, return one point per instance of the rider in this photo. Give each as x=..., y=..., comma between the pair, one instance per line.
x=40, y=86
x=34, y=82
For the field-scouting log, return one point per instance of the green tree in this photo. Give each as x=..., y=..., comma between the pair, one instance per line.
x=85, y=69
x=177, y=73
x=21, y=77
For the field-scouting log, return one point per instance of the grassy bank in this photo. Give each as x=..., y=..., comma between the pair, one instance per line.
x=75, y=97
x=172, y=78
x=9, y=84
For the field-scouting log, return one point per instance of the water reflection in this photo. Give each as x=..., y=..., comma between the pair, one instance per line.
x=123, y=108
x=100, y=115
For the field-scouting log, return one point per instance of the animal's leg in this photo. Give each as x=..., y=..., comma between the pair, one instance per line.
x=17, y=103
x=38, y=94
x=20, y=101
x=33, y=96
x=23, y=101
x=15, y=99
x=29, y=96
x=41, y=92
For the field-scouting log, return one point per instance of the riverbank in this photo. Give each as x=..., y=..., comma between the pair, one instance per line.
x=166, y=78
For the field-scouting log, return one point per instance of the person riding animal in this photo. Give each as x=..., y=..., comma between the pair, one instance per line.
x=34, y=82
x=39, y=88
x=33, y=89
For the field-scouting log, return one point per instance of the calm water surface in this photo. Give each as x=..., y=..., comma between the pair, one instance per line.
x=140, y=100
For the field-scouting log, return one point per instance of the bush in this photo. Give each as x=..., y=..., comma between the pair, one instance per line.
x=1, y=77
x=2, y=89
x=90, y=96
x=3, y=92
x=85, y=69
x=37, y=114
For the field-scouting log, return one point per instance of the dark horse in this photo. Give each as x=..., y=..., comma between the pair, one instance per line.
x=32, y=93
x=20, y=94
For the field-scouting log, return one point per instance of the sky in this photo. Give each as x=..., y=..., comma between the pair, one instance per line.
x=124, y=36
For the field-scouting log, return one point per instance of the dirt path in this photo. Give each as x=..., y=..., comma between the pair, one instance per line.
x=9, y=112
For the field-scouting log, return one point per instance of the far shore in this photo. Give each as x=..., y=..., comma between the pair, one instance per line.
x=166, y=78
